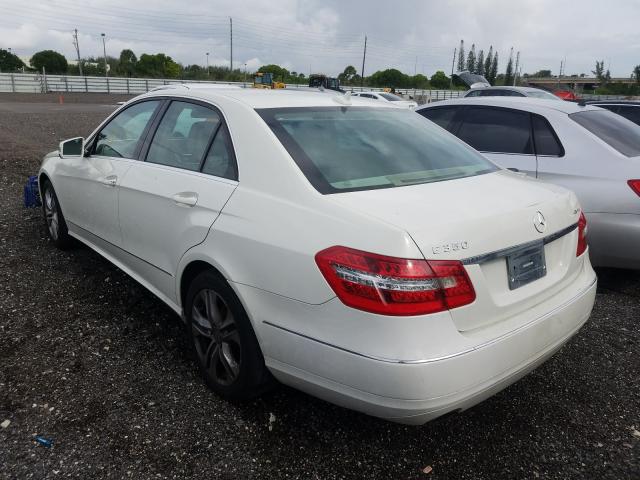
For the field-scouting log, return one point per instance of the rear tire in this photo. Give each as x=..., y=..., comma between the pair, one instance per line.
x=223, y=341
x=53, y=218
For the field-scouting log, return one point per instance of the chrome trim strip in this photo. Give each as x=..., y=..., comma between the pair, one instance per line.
x=487, y=257
x=452, y=355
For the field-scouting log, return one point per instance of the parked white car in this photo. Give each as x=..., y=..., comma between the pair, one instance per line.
x=387, y=97
x=587, y=149
x=351, y=250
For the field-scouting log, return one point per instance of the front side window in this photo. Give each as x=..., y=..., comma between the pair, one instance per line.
x=341, y=149
x=442, y=116
x=497, y=130
x=616, y=131
x=123, y=134
x=183, y=136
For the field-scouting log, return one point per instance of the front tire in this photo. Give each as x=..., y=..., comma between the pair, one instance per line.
x=53, y=218
x=223, y=340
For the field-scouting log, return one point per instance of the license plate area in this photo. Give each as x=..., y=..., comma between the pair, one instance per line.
x=526, y=265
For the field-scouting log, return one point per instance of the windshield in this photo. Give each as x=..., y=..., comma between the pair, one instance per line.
x=390, y=96
x=342, y=149
x=613, y=129
x=542, y=94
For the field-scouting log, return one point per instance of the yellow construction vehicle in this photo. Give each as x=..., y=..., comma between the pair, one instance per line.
x=265, y=80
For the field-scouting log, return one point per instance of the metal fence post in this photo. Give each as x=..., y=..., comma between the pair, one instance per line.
x=146, y=82
x=13, y=84
x=66, y=84
x=128, y=85
x=86, y=85
x=44, y=79
x=108, y=90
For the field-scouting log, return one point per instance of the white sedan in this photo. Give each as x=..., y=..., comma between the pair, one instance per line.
x=387, y=97
x=353, y=251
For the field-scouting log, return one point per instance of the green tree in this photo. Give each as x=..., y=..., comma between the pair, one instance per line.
x=53, y=62
x=439, y=80
x=280, y=74
x=419, y=81
x=487, y=63
x=347, y=76
x=389, y=78
x=636, y=74
x=599, y=71
x=9, y=62
x=127, y=63
x=541, y=74
x=480, y=63
x=508, y=74
x=158, y=66
x=471, y=59
x=461, y=56
x=493, y=73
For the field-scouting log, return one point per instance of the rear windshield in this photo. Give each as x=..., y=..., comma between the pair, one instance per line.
x=390, y=96
x=613, y=129
x=542, y=94
x=342, y=149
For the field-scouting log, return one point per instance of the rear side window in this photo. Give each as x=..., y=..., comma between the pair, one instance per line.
x=122, y=135
x=220, y=161
x=497, y=130
x=630, y=113
x=475, y=93
x=342, y=149
x=547, y=142
x=183, y=136
x=616, y=131
x=442, y=116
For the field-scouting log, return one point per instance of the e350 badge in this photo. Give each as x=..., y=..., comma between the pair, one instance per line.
x=450, y=247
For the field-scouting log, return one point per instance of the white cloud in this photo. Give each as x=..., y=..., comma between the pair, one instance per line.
x=327, y=35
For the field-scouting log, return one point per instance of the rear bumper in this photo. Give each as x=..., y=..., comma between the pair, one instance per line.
x=614, y=240
x=417, y=390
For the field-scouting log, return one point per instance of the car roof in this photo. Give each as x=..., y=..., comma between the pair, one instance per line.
x=264, y=98
x=520, y=103
x=509, y=87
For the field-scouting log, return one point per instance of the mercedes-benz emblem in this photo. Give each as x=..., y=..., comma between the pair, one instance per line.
x=539, y=222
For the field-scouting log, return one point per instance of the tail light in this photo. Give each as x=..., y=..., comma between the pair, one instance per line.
x=582, y=235
x=635, y=186
x=394, y=286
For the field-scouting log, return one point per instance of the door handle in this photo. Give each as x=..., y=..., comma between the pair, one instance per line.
x=110, y=180
x=188, y=199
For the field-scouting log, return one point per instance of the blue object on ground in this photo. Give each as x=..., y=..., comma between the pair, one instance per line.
x=44, y=441
x=31, y=193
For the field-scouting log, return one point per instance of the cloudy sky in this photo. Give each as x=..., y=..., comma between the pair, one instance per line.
x=327, y=35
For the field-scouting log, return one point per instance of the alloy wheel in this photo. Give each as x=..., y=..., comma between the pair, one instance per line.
x=51, y=213
x=216, y=337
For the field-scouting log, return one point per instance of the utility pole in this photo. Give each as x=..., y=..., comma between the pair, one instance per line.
x=364, y=56
x=560, y=73
x=515, y=76
x=77, y=47
x=231, y=43
x=104, y=50
x=207, y=64
x=453, y=63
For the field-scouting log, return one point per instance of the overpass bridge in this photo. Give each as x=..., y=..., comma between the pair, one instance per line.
x=574, y=82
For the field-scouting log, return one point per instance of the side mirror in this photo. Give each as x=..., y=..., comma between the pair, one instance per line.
x=74, y=147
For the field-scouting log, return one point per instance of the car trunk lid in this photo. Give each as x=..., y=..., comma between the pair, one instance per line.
x=481, y=221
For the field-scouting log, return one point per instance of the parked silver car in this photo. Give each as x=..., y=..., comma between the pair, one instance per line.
x=480, y=87
x=590, y=150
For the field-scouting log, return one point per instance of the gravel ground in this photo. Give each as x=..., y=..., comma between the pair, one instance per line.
x=92, y=361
